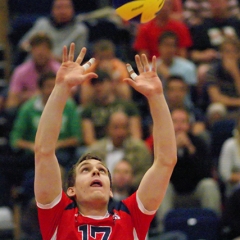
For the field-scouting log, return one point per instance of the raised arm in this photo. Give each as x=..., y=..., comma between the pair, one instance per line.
x=48, y=183
x=154, y=183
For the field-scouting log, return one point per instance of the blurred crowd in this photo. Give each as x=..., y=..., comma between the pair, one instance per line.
x=197, y=45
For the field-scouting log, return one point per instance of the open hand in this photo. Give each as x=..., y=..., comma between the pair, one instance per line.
x=147, y=82
x=71, y=73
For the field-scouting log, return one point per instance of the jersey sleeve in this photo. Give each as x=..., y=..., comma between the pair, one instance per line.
x=50, y=215
x=140, y=216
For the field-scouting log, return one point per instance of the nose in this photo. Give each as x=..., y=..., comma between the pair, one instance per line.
x=96, y=171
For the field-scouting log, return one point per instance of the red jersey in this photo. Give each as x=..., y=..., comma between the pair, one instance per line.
x=149, y=33
x=61, y=221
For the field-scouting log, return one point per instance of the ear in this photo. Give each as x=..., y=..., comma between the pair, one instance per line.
x=111, y=193
x=71, y=192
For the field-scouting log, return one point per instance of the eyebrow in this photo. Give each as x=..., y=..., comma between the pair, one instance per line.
x=87, y=163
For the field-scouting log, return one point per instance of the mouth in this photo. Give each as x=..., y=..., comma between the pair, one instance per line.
x=96, y=183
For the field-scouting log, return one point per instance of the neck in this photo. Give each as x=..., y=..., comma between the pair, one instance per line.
x=93, y=209
x=167, y=61
x=40, y=68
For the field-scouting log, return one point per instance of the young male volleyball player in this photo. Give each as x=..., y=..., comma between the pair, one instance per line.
x=82, y=212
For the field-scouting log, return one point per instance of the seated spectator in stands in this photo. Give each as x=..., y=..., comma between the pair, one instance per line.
x=215, y=112
x=229, y=160
x=23, y=83
x=196, y=11
x=177, y=10
x=62, y=27
x=223, y=77
x=122, y=178
x=118, y=145
x=191, y=176
x=104, y=53
x=177, y=96
x=105, y=102
x=146, y=40
x=24, y=130
x=208, y=37
x=169, y=63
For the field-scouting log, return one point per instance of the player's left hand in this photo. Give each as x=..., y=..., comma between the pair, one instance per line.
x=147, y=82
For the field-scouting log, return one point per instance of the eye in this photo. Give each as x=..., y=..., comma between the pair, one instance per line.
x=85, y=169
x=102, y=170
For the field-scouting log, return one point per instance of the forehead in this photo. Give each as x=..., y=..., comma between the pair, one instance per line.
x=59, y=3
x=179, y=114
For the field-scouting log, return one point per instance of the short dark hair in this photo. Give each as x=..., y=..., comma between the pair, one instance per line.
x=72, y=172
x=40, y=38
x=102, y=76
x=172, y=78
x=168, y=34
x=44, y=77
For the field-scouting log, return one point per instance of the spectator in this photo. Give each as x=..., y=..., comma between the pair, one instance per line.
x=215, y=112
x=122, y=178
x=192, y=174
x=208, y=36
x=171, y=64
x=196, y=11
x=177, y=10
x=104, y=53
x=23, y=83
x=223, y=77
x=229, y=161
x=25, y=126
x=177, y=95
x=61, y=26
x=146, y=40
x=118, y=144
x=104, y=102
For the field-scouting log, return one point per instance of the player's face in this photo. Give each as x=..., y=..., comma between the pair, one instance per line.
x=92, y=185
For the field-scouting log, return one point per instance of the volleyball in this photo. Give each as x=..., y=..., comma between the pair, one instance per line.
x=138, y=10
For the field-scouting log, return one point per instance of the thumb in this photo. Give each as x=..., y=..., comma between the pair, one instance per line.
x=130, y=82
x=89, y=76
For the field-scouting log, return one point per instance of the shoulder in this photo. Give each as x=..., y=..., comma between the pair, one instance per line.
x=185, y=62
x=28, y=105
x=98, y=146
x=230, y=143
x=24, y=67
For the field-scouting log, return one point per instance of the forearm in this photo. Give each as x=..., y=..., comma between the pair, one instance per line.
x=163, y=132
x=51, y=120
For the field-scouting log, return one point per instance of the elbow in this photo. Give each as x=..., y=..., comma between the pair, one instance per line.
x=41, y=151
x=168, y=160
